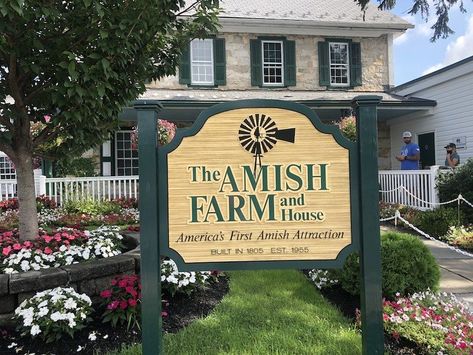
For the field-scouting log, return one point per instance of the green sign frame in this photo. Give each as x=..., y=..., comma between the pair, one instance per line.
x=164, y=203
x=364, y=213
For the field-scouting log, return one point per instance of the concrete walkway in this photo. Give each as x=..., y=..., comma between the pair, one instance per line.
x=456, y=270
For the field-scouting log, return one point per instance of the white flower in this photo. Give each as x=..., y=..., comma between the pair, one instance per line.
x=92, y=336
x=43, y=311
x=70, y=304
x=79, y=348
x=35, y=330
x=12, y=345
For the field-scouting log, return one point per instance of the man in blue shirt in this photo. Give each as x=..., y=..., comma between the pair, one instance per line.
x=410, y=153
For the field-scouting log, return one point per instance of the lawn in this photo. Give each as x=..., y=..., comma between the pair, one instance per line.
x=267, y=312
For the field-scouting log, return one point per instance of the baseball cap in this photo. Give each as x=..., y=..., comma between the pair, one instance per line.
x=450, y=145
x=407, y=134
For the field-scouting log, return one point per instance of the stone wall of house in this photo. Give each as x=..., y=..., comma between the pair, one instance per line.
x=374, y=54
x=384, y=146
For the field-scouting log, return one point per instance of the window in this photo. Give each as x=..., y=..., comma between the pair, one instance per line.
x=202, y=66
x=7, y=171
x=203, y=63
x=339, y=65
x=126, y=157
x=272, y=62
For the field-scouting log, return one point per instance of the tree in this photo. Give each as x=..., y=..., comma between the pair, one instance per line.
x=442, y=9
x=68, y=67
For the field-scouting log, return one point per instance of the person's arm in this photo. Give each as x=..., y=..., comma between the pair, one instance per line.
x=413, y=157
x=451, y=162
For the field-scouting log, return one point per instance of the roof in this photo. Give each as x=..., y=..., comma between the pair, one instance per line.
x=433, y=74
x=323, y=97
x=326, y=12
x=186, y=105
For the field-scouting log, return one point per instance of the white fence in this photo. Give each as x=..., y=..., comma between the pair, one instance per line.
x=414, y=188
x=63, y=189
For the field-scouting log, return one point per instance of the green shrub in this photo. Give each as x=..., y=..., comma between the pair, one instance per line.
x=91, y=207
x=460, y=181
x=407, y=267
x=436, y=222
x=79, y=167
x=461, y=237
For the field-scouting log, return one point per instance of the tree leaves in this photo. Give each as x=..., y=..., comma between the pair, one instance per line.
x=442, y=8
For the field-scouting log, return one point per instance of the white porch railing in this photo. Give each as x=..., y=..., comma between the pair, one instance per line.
x=413, y=188
x=96, y=188
x=7, y=189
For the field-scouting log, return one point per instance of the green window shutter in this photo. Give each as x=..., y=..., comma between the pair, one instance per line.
x=289, y=63
x=185, y=66
x=256, y=64
x=355, y=64
x=324, y=64
x=219, y=61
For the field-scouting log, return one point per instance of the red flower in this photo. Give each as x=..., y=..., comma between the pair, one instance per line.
x=47, y=250
x=106, y=294
x=113, y=305
x=132, y=302
x=6, y=251
x=122, y=283
x=123, y=304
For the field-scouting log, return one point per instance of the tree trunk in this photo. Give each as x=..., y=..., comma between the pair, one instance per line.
x=28, y=217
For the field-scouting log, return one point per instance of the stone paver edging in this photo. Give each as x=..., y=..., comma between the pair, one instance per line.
x=89, y=277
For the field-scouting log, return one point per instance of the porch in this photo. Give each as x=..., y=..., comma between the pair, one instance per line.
x=414, y=188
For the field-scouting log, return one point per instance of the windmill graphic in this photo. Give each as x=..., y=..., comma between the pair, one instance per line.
x=259, y=134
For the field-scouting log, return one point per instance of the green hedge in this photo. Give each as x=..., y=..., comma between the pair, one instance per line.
x=407, y=267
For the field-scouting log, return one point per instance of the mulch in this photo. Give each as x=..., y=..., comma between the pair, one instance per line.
x=181, y=311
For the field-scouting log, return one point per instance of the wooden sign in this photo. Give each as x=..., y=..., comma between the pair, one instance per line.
x=258, y=184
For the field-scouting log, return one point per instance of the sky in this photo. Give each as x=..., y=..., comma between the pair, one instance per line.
x=415, y=55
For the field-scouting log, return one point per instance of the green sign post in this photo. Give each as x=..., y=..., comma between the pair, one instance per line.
x=247, y=187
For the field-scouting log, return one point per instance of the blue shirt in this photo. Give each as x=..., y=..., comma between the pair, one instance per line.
x=410, y=150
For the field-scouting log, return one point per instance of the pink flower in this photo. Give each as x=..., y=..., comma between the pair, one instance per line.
x=132, y=302
x=47, y=238
x=16, y=246
x=6, y=251
x=28, y=244
x=114, y=282
x=122, y=283
x=106, y=294
x=47, y=118
x=113, y=305
x=47, y=250
x=131, y=291
x=164, y=314
x=123, y=304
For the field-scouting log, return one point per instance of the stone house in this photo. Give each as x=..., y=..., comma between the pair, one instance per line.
x=316, y=52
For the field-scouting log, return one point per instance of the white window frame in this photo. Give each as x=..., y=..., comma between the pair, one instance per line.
x=338, y=65
x=194, y=63
x=116, y=152
x=271, y=64
x=7, y=164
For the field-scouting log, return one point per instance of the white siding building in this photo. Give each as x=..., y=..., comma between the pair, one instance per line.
x=451, y=120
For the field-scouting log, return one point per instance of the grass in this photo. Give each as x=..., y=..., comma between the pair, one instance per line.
x=266, y=312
